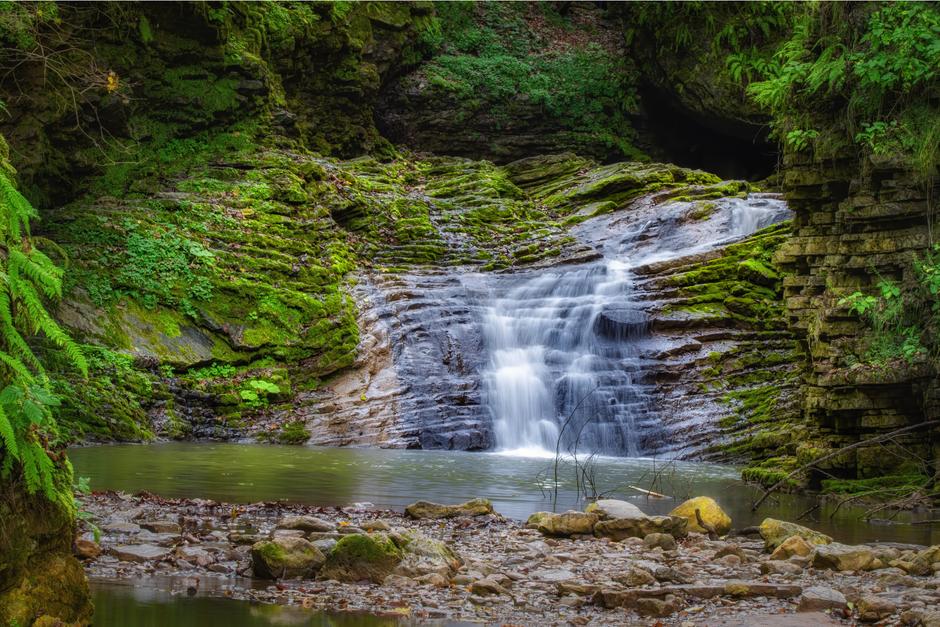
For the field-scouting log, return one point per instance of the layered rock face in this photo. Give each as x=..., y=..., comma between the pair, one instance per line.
x=855, y=226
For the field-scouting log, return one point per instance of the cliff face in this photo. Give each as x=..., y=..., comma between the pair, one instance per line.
x=855, y=225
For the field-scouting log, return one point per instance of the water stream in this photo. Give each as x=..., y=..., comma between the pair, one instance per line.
x=561, y=343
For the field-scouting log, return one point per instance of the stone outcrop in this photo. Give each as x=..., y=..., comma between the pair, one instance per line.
x=856, y=224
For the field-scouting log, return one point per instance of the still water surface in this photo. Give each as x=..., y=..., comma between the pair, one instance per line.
x=392, y=478
x=157, y=603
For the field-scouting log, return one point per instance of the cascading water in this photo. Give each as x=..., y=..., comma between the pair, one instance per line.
x=564, y=364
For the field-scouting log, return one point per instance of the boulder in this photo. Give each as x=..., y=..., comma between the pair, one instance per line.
x=426, y=509
x=711, y=513
x=424, y=556
x=285, y=558
x=658, y=608
x=794, y=545
x=640, y=527
x=820, y=598
x=360, y=557
x=607, y=509
x=305, y=524
x=567, y=524
x=774, y=532
x=843, y=557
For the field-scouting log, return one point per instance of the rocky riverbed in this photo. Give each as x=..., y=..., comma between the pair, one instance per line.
x=610, y=565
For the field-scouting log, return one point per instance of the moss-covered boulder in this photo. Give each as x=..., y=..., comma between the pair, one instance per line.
x=711, y=513
x=774, y=532
x=39, y=576
x=424, y=556
x=285, y=558
x=361, y=557
x=426, y=509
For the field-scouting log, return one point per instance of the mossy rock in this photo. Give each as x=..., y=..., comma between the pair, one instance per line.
x=360, y=557
x=39, y=576
x=709, y=510
x=285, y=558
x=775, y=532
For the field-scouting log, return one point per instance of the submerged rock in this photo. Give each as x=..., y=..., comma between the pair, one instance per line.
x=426, y=509
x=710, y=511
x=360, y=557
x=285, y=558
x=774, y=532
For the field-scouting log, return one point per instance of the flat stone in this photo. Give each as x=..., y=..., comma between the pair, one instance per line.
x=565, y=524
x=305, y=523
x=780, y=567
x=160, y=526
x=121, y=526
x=139, y=552
x=426, y=509
x=552, y=575
x=819, y=598
x=843, y=557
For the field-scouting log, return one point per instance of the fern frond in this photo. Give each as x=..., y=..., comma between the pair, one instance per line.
x=8, y=435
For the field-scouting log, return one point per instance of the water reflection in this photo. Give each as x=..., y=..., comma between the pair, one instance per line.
x=393, y=478
x=152, y=604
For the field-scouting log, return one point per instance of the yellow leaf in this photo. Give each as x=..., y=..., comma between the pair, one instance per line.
x=113, y=83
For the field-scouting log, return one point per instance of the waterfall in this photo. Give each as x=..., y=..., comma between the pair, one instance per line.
x=562, y=357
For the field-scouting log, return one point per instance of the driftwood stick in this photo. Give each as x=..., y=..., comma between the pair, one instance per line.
x=710, y=529
x=648, y=492
x=838, y=452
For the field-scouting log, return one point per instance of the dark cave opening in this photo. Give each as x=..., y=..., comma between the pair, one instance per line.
x=732, y=149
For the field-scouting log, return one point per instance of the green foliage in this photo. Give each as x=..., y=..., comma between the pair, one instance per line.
x=877, y=62
x=904, y=318
x=493, y=57
x=28, y=278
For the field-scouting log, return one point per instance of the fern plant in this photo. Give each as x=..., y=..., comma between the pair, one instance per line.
x=28, y=279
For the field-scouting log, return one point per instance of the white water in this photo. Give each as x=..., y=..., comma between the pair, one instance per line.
x=562, y=343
